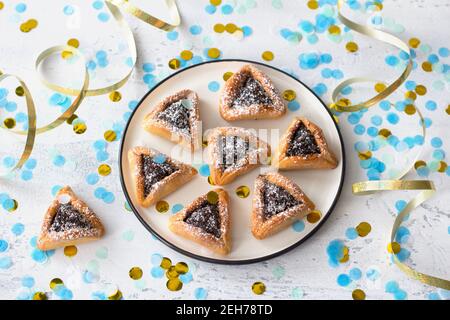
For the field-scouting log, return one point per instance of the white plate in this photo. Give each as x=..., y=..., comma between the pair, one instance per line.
x=322, y=186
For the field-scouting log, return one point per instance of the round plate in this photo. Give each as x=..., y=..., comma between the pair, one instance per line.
x=323, y=187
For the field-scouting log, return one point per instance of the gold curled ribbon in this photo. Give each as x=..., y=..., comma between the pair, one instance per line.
x=426, y=187
x=114, y=7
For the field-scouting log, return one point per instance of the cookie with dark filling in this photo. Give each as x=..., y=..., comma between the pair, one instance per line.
x=277, y=202
x=206, y=221
x=68, y=221
x=303, y=146
x=250, y=94
x=177, y=118
x=233, y=152
x=156, y=175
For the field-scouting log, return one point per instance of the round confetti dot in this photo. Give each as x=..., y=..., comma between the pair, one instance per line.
x=70, y=251
x=379, y=87
x=210, y=180
x=162, y=206
x=231, y=28
x=363, y=229
x=298, y=226
x=212, y=197
x=358, y=294
x=9, y=123
x=213, y=86
x=200, y=294
x=166, y=263
x=115, y=96
x=351, y=46
x=104, y=170
x=258, y=288
x=174, y=64
x=215, y=2
x=289, y=95
x=293, y=105
x=110, y=135
x=135, y=273
x=213, y=53
x=3, y=245
x=181, y=267
x=55, y=282
x=177, y=207
x=79, y=128
x=117, y=295
x=243, y=191
x=227, y=75
x=171, y=273
x=227, y=9
x=313, y=216
x=313, y=4
x=10, y=205
x=219, y=28
x=157, y=272
x=186, y=55
x=204, y=170
x=343, y=280
x=267, y=55
x=414, y=42
x=39, y=296
x=393, y=247
x=174, y=284
x=421, y=90
x=410, y=109
x=20, y=91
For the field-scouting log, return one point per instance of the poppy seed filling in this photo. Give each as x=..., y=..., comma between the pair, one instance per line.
x=276, y=200
x=302, y=143
x=176, y=115
x=68, y=218
x=251, y=92
x=206, y=217
x=153, y=172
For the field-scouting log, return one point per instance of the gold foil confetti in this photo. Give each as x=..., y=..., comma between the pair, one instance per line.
x=71, y=119
x=227, y=75
x=2, y=5
x=442, y=166
x=393, y=247
x=115, y=96
x=15, y=206
x=231, y=27
x=410, y=109
x=365, y=155
x=28, y=25
x=110, y=135
x=419, y=163
x=70, y=251
x=363, y=229
x=384, y=133
x=351, y=46
x=379, y=87
x=172, y=273
x=267, y=55
x=166, y=263
x=186, y=55
x=135, y=273
x=162, y=206
x=343, y=102
x=19, y=91
x=174, y=64
x=40, y=296
x=242, y=191
x=73, y=43
x=117, y=295
x=181, y=267
x=421, y=90
x=214, y=53
x=345, y=256
x=9, y=123
x=104, y=169
x=414, y=42
x=313, y=4
x=427, y=66
x=258, y=287
x=174, y=284
x=358, y=294
x=79, y=128
x=210, y=180
x=212, y=197
x=215, y=2
x=313, y=216
x=55, y=282
x=334, y=29
x=289, y=95
x=219, y=28
x=410, y=95
x=448, y=109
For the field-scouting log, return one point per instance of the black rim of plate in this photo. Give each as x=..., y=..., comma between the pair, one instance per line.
x=213, y=260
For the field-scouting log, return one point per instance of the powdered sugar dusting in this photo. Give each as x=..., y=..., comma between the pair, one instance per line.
x=276, y=199
x=154, y=172
x=177, y=116
x=206, y=217
x=302, y=142
x=251, y=93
